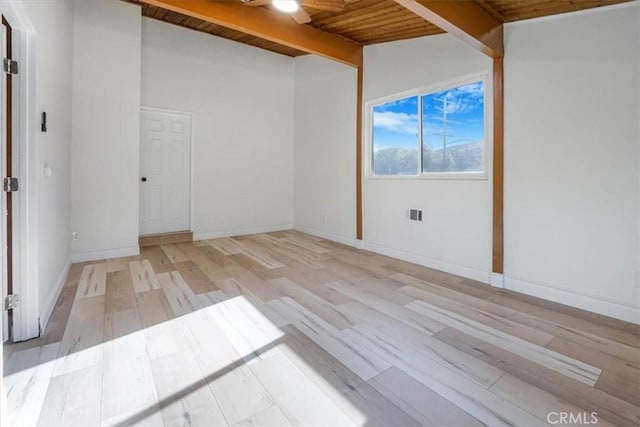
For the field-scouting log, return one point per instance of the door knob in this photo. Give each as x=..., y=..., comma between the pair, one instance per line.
x=144, y=179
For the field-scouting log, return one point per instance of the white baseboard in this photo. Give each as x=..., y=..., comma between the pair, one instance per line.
x=608, y=308
x=48, y=306
x=349, y=241
x=497, y=280
x=204, y=235
x=459, y=270
x=595, y=305
x=105, y=254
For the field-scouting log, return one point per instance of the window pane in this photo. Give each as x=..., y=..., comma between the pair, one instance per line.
x=453, y=129
x=395, y=137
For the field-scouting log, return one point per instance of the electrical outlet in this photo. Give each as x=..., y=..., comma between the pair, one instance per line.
x=75, y=235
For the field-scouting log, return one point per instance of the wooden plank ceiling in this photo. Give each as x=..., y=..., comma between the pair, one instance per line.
x=376, y=21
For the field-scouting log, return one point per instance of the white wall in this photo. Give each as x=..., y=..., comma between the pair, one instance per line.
x=571, y=156
x=455, y=234
x=325, y=148
x=53, y=24
x=106, y=126
x=241, y=99
x=637, y=283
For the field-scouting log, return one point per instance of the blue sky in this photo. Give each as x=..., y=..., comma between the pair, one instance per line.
x=396, y=123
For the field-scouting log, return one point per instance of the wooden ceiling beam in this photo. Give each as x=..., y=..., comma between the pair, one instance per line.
x=464, y=19
x=269, y=25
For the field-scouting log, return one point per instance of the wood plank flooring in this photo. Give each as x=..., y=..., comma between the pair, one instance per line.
x=288, y=329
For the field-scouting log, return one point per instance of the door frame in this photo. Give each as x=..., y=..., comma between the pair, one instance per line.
x=26, y=321
x=191, y=158
x=6, y=88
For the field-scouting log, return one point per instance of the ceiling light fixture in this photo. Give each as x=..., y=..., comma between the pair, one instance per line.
x=286, y=5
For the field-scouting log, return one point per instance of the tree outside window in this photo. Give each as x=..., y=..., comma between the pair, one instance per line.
x=446, y=127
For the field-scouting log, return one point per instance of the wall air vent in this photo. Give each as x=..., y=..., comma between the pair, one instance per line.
x=415, y=214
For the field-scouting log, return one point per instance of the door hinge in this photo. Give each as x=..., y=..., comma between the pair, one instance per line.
x=11, y=301
x=10, y=184
x=10, y=66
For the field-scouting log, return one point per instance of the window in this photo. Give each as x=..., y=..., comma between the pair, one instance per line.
x=395, y=137
x=446, y=127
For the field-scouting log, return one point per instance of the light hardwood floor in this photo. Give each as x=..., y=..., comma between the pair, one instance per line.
x=285, y=329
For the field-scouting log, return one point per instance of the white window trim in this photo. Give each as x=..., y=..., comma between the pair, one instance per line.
x=419, y=92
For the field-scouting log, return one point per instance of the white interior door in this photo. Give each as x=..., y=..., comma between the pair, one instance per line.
x=165, y=172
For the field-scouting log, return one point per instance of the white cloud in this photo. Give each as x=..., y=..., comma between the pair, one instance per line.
x=474, y=90
x=462, y=99
x=396, y=122
x=404, y=102
x=460, y=105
